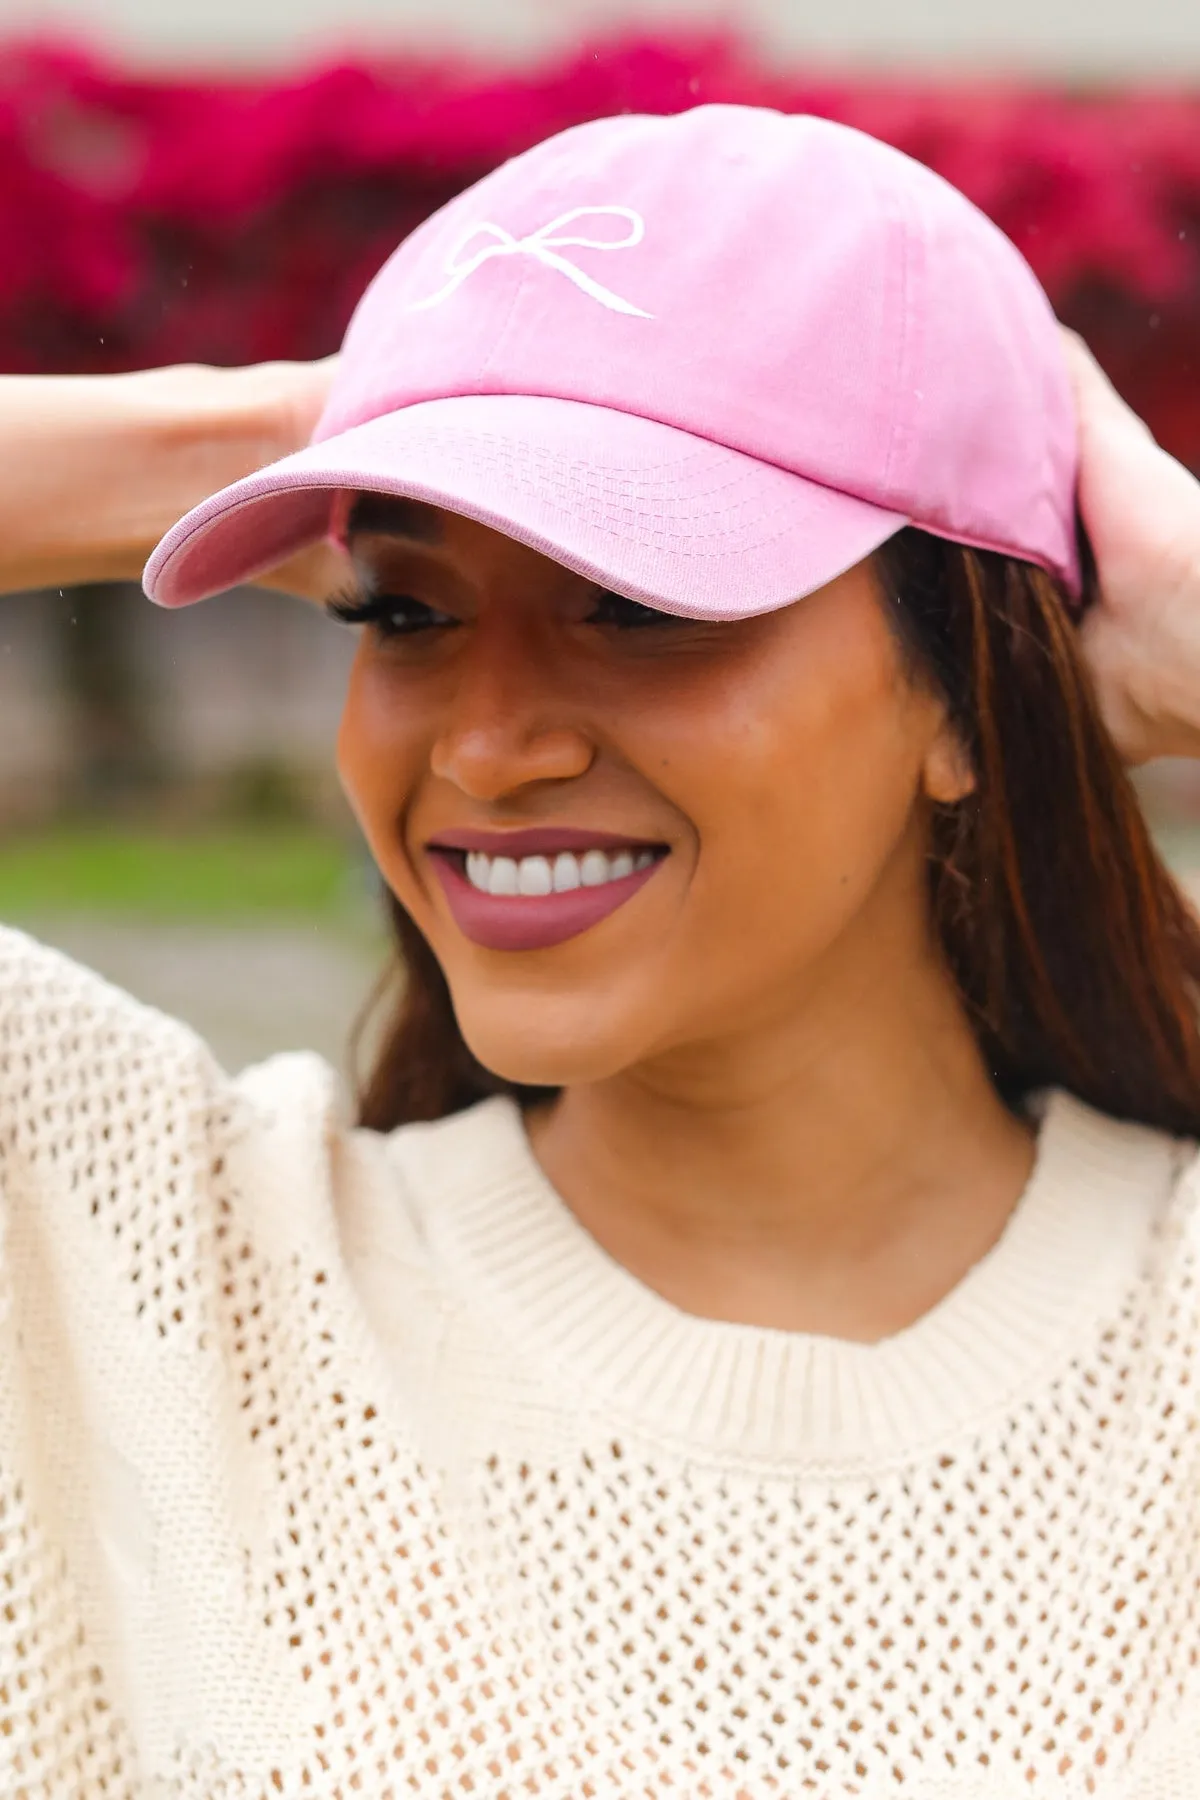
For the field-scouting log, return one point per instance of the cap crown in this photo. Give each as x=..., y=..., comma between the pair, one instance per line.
x=779, y=284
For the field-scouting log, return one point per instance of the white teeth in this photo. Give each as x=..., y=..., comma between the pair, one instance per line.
x=566, y=873
x=536, y=876
x=503, y=876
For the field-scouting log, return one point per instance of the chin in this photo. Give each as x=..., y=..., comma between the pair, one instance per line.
x=546, y=1043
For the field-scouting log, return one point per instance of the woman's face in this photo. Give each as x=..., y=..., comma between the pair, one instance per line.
x=726, y=815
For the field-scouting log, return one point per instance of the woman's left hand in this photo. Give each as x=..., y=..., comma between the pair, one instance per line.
x=1141, y=510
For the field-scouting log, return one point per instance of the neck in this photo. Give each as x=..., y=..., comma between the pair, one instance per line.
x=835, y=1169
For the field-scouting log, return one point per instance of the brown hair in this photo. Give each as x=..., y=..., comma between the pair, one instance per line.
x=1074, y=952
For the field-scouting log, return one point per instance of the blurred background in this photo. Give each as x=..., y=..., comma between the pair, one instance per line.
x=214, y=180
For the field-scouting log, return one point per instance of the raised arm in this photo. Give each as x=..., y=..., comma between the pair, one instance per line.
x=94, y=468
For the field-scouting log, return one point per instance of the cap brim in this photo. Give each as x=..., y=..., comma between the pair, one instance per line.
x=655, y=513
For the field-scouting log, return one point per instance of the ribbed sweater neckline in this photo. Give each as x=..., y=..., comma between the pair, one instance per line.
x=777, y=1400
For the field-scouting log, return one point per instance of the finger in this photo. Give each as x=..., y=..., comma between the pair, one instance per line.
x=309, y=385
x=1094, y=392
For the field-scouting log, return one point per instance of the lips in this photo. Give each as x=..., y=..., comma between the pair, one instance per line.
x=529, y=922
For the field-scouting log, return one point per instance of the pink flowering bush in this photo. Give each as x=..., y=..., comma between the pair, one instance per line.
x=145, y=219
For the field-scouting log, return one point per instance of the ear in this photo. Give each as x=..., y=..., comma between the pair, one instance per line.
x=946, y=772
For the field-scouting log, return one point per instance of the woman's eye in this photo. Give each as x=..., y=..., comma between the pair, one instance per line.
x=391, y=615
x=615, y=609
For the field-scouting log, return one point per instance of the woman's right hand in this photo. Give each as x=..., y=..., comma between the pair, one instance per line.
x=95, y=468
x=1141, y=510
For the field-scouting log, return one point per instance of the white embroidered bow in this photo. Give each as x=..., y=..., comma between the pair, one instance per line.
x=545, y=246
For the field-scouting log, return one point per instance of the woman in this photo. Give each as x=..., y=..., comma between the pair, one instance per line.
x=747, y=1345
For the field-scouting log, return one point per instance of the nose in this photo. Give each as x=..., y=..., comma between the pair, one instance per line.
x=504, y=727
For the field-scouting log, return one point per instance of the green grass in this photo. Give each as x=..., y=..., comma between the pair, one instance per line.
x=228, y=874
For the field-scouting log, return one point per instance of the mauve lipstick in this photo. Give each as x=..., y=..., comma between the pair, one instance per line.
x=528, y=922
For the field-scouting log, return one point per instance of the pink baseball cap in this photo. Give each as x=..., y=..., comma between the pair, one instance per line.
x=709, y=361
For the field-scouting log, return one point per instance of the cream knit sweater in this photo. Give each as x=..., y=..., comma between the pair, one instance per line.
x=335, y=1464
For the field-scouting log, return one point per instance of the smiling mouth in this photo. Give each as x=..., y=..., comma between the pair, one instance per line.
x=552, y=892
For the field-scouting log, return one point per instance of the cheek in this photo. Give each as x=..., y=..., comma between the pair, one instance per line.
x=378, y=752
x=809, y=781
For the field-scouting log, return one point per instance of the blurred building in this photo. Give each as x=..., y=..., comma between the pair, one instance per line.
x=226, y=709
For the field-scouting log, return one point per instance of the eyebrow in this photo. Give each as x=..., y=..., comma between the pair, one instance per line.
x=392, y=516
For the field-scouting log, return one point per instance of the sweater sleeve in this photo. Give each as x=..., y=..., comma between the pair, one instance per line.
x=114, y=1124
x=172, y=1284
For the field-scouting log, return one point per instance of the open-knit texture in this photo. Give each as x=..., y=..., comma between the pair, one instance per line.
x=335, y=1464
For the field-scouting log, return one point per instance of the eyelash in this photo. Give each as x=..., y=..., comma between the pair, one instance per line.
x=384, y=610
x=636, y=617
